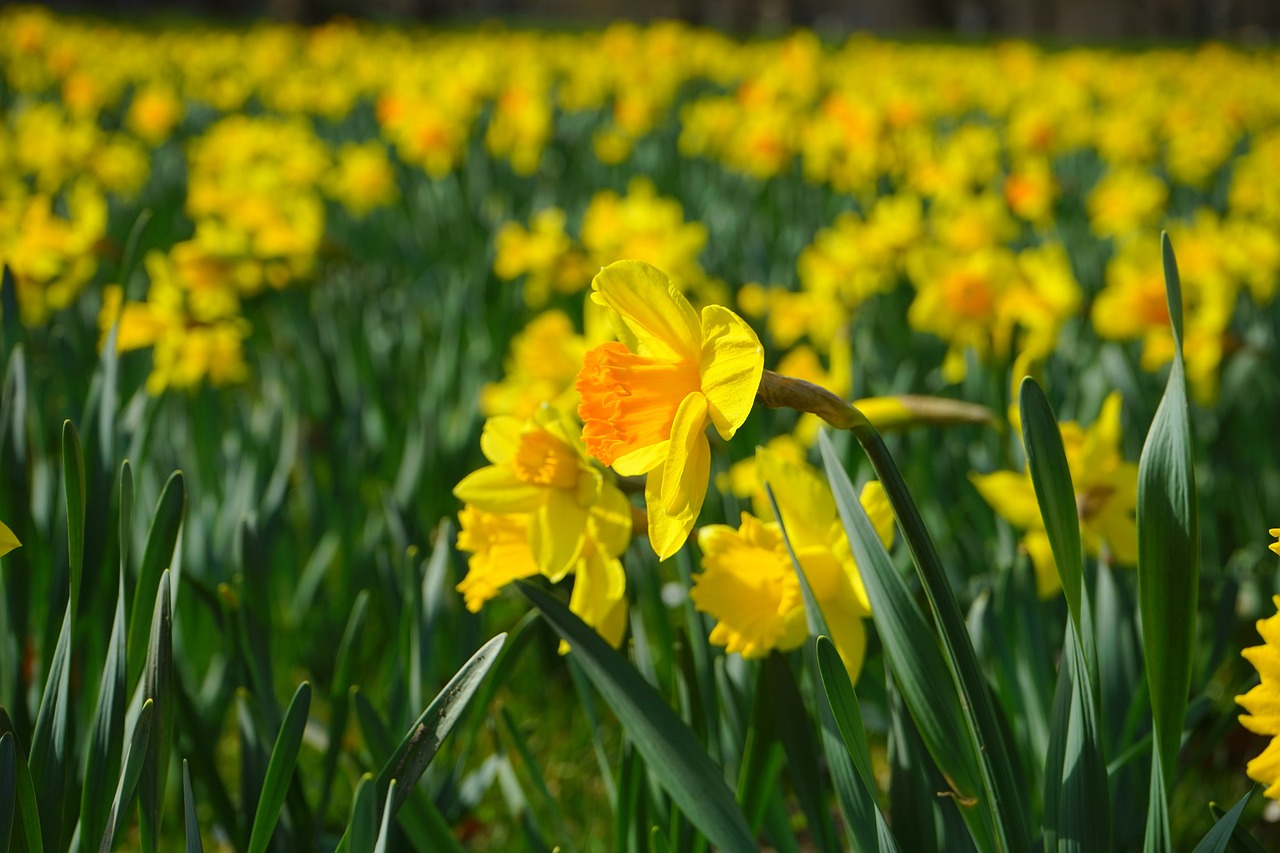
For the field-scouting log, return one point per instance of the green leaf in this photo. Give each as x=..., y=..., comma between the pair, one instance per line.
x=424, y=738
x=126, y=516
x=913, y=655
x=106, y=738
x=73, y=482
x=26, y=836
x=134, y=759
x=1169, y=549
x=284, y=757
x=1002, y=796
x=1220, y=836
x=671, y=751
x=539, y=780
x=194, y=845
x=388, y=810
x=157, y=685
x=848, y=755
x=362, y=827
x=50, y=742
x=8, y=787
x=157, y=556
x=1083, y=821
x=339, y=706
x=1055, y=493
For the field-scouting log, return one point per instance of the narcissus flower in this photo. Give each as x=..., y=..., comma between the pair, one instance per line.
x=647, y=400
x=539, y=468
x=1263, y=702
x=749, y=585
x=7, y=540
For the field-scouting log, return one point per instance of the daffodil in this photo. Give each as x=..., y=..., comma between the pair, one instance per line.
x=647, y=400
x=7, y=540
x=1106, y=496
x=1263, y=701
x=539, y=468
x=748, y=583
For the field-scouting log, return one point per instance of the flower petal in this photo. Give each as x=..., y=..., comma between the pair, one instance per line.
x=732, y=363
x=668, y=531
x=496, y=488
x=686, y=470
x=1012, y=496
x=654, y=317
x=500, y=439
x=804, y=499
x=641, y=460
x=610, y=521
x=850, y=638
x=557, y=534
x=599, y=597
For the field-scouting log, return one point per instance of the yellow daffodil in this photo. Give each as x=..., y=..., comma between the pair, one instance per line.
x=539, y=468
x=7, y=540
x=1275, y=546
x=749, y=585
x=1106, y=496
x=1263, y=702
x=499, y=545
x=647, y=401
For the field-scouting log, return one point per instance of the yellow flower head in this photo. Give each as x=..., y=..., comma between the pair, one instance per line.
x=1263, y=702
x=1275, y=546
x=647, y=401
x=539, y=468
x=749, y=586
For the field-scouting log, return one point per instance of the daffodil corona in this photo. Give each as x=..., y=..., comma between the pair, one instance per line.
x=1263, y=701
x=647, y=400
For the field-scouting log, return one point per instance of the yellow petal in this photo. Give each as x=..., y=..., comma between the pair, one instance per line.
x=686, y=470
x=1012, y=496
x=557, y=534
x=732, y=363
x=1048, y=584
x=7, y=540
x=849, y=636
x=875, y=502
x=500, y=439
x=667, y=532
x=599, y=597
x=642, y=460
x=610, y=521
x=655, y=318
x=496, y=488
x=803, y=498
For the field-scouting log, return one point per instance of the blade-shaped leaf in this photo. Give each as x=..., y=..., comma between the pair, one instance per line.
x=194, y=844
x=24, y=834
x=157, y=686
x=1169, y=548
x=339, y=707
x=1218, y=838
x=134, y=759
x=670, y=749
x=362, y=827
x=50, y=743
x=73, y=482
x=156, y=557
x=1001, y=793
x=284, y=757
x=106, y=738
x=802, y=750
x=388, y=810
x=8, y=787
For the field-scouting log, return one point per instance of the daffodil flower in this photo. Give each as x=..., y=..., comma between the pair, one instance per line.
x=749, y=585
x=647, y=400
x=539, y=468
x=1263, y=702
x=7, y=540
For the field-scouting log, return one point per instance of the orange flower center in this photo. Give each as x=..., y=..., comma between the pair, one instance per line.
x=969, y=295
x=629, y=401
x=544, y=460
x=1153, y=306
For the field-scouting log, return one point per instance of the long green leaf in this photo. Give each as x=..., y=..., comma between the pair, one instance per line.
x=157, y=685
x=1168, y=549
x=384, y=834
x=867, y=825
x=1001, y=793
x=194, y=844
x=1219, y=837
x=156, y=557
x=51, y=741
x=73, y=482
x=106, y=738
x=26, y=836
x=802, y=751
x=914, y=656
x=670, y=749
x=362, y=826
x=339, y=706
x=8, y=788
x=284, y=757
x=134, y=759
